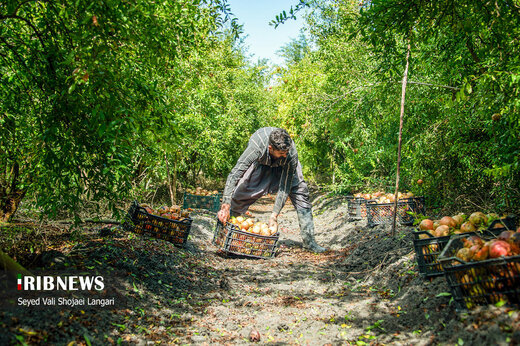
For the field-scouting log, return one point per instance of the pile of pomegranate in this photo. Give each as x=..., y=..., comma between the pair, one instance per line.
x=173, y=213
x=250, y=226
x=201, y=192
x=457, y=224
x=382, y=197
x=476, y=249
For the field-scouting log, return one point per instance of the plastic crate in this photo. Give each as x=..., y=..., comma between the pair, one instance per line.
x=508, y=222
x=482, y=282
x=357, y=208
x=231, y=239
x=210, y=203
x=382, y=213
x=427, y=250
x=139, y=221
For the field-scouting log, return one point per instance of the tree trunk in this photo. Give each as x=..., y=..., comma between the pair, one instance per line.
x=401, y=118
x=172, y=198
x=175, y=177
x=10, y=195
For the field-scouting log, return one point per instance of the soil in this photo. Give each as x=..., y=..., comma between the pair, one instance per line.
x=365, y=290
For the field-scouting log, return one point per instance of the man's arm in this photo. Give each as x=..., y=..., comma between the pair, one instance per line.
x=248, y=157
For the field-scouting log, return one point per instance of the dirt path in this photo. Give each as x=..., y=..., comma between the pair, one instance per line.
x=366, y=290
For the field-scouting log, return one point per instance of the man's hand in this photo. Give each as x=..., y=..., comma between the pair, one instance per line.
x=273, y=221
x=223, y=213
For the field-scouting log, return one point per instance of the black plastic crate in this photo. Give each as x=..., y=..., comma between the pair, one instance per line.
x=357, y=208
x=427, y=250
x=139, y=221
x=210, y=203
x=481, y=282
x=506, y=223
x=231, y=239
x=382, y=213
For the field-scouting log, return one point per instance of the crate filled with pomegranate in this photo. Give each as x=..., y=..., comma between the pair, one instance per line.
x=202, y=199
x=482, y=270
x=432, y=236
x=380, y=210
x=245, y=237
x=169, y=223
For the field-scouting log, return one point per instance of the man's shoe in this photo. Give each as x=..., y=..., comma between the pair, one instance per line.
x=307, y=230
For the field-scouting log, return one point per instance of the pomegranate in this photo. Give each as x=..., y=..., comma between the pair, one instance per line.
x=256, y=228
x=442, y=231
x=482, y=254
x=426, y=225
x=254, y=335
x=499, y=224
x=499, y=248
x=458, y=220
x=505, y=235
x=175, y=209
x=514, y=242
x=473, y=240
x=264, y=232
x=464, y=254
x=163, y=210
x=478, y=219
x=467, y=227
x=185, y=213
x=448, y=221
x=475, y=248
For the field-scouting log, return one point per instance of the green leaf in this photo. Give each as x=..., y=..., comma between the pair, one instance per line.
x=500, y=303
x=443, y=294
x=87, y=340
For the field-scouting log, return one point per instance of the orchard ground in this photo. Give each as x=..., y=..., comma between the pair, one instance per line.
x=365, y=290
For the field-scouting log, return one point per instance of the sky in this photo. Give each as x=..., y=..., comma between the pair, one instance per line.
x=262, y=39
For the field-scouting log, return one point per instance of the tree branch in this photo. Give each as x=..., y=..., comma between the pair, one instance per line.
x=22, y=62
x=28, y=22
x=433, y=85
x=340, y=97
x=17, y=8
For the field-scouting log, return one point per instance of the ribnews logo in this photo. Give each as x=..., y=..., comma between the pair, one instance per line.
x=60, y=283
x=63, y=290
